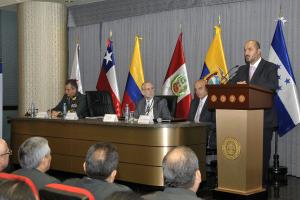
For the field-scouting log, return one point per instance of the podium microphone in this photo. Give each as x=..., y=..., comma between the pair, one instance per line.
x=230, y=75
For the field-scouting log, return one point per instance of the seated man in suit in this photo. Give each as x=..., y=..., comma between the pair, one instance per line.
x=75, y=101
x=35, y=158
x=150, y=105
x=100, y=166
x=182, y=176
x=5, y=152
x=199, y=112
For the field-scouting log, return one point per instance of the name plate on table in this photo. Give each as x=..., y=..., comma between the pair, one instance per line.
x=71, y=116
x=110, y=118
x=145, y=119
x=42, y=115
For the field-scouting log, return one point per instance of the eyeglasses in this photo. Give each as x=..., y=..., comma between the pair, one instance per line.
x=148, y=89
x=9, y=153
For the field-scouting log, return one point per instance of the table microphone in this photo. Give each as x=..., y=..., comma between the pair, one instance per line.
x=159, y=120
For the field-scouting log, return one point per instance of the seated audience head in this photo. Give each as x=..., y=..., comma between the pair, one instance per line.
x=71, y=87
x=5, y=152
x=124, y=195
x=148, y=90
x=101, y=162
x=181, y=169
x=200, y=88
x=34, y=153
x=16, y=190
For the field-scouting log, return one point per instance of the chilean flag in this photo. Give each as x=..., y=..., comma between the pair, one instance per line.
x=107, y=80
x=176, y=81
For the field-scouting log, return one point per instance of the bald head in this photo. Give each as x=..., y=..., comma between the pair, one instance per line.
x=3, y=146
x=4, y=154
x=252, y=51
x=254, y=42
x=181, y=169
x=200, y=88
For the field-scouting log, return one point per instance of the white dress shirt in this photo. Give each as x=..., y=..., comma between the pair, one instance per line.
x=199, y=109
x=149, y=105
x=253, y=68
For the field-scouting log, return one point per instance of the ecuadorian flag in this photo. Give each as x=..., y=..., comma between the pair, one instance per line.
x=215, y=68
x=135, y=79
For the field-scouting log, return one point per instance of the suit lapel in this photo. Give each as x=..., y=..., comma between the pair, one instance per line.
x=257, y=72
x=203, y=109
x=247, y=73
x=143, y=106
x=196, y=104
x=155, y=107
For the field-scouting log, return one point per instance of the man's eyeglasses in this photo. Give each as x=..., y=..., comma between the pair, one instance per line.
x=148, y=89
x=9, y=153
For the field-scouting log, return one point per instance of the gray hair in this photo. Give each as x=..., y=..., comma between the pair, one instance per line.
x=179, y=167
x=32, y=152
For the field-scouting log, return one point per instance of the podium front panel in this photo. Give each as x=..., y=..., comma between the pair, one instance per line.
x=240, y=150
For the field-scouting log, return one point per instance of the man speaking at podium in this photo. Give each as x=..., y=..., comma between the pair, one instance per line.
x=151, y=105
x=260, y=72
x=74, y=100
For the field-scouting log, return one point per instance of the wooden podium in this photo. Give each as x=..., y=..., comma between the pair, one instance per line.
x=239, y=118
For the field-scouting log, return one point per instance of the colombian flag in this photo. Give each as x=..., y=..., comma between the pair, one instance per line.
x=135, y=79
x=215, y=68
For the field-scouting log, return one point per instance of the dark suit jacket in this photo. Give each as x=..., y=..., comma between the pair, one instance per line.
x=173, y=194
x=39, y=178
x=160, y=108
x=100, y=189
x=207, y=115
x=77, y=104
x=264, y=76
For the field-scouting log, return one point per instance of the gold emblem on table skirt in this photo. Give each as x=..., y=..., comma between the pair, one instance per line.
x=231, y=148
x=213, y=98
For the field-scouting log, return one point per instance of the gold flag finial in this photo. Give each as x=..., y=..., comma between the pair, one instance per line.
x=110, y=35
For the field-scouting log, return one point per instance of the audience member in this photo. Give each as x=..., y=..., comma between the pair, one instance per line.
x=5, y=152
x=182, y=176
x=16, y=190
x=100, y=167
x=35, y=158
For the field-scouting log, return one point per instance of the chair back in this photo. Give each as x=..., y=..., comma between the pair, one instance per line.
x=99, y=103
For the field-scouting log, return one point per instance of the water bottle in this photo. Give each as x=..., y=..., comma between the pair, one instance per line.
x=65, y=110
x=126, y=113
x=32, y=110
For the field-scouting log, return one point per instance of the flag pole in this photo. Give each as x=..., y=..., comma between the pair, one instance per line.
x=110, y=35
x=279, y=173
x=77, y=40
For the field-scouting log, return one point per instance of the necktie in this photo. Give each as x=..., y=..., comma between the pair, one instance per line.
x=147, y=109
x=198, y=113
x=251, y=71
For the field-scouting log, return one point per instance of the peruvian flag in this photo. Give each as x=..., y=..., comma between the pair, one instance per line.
x=176, y=81
x=107, y=80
